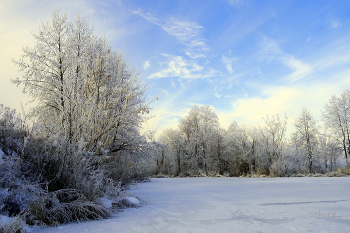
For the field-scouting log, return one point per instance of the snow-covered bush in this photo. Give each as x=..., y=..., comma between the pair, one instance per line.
x=12, y=130
x=54, y=184
x=278, y=168
x=11, y=225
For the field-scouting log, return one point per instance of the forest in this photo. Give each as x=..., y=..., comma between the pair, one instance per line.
x=82, y=143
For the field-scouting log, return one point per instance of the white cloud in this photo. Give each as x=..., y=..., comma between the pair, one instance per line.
x=301, y=69
x=284, y=99
x=172, y=84
x=194, y=55
x=197, y=67
x=228, y=61
x=236, y=3
x=229, y=67
x=335, y=23
x=177, y=66
x=146, y=65
x=216, y=92
x=188, y=33
x=270, y=50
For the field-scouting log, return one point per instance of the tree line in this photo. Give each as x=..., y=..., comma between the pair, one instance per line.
x=200, y=146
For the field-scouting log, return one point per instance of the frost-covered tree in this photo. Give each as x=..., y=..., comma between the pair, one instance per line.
x=329, y=151
x=336, y=116
x=86, y=92
x=199, y=128
x=295, y=157
x=218, y=149
x=12, y=130
x=175, y=143
x=85, y=142
x=272, y=138
x=239, y=148
x=306, y=135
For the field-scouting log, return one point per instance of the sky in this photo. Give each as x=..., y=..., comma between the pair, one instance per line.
x=245, y=58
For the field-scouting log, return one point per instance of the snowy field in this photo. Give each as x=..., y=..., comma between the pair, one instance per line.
x=304, y=204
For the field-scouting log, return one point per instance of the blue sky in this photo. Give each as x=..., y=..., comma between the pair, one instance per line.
x=245, y=58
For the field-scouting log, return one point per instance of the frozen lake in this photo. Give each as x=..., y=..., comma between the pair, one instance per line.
x=305, y=204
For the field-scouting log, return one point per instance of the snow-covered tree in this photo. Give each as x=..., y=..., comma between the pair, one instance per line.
x=336, y=116
x=329, y=151
x=175, y=143
x=272, y=138
x=218, y=149
x=86, y=91
x=238, y=149
x=199, y=128
x=12, y=130
x=306, y=135
x=85, y=141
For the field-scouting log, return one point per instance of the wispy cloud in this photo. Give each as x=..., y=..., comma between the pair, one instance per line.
x=334, y=23
x=188, y=33
x=177, y=66
x=172, y=84
x=236, y=3
x=216, y=92
x=256, y=71
x=146, y=64
x=301, y=69
x=194, y=55
x=228, y=61
x=271, y=50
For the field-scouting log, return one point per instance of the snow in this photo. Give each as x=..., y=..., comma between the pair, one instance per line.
x=106, y=202
x=298, y=204
x=5, y=219
x=132, y=201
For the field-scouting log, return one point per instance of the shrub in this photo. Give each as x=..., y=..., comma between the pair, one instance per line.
x=16, y=225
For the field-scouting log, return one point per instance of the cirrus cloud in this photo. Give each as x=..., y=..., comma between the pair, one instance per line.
x=177, y=66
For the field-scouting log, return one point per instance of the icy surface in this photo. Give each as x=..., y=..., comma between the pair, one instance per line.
x=300, y=204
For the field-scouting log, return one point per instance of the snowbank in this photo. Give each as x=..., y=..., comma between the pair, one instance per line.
x=132, y=201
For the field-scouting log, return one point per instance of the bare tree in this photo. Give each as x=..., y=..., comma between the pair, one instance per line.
x=199, y=128
x=329, y=151
x=173, y=139
x=336, y=116
x=307, y=134
x=86, y=91
x=273, y=139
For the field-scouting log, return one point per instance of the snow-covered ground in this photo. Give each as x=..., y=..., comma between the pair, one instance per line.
x=305, y=204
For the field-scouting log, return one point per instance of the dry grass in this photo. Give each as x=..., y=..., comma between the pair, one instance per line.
x=62, y=206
